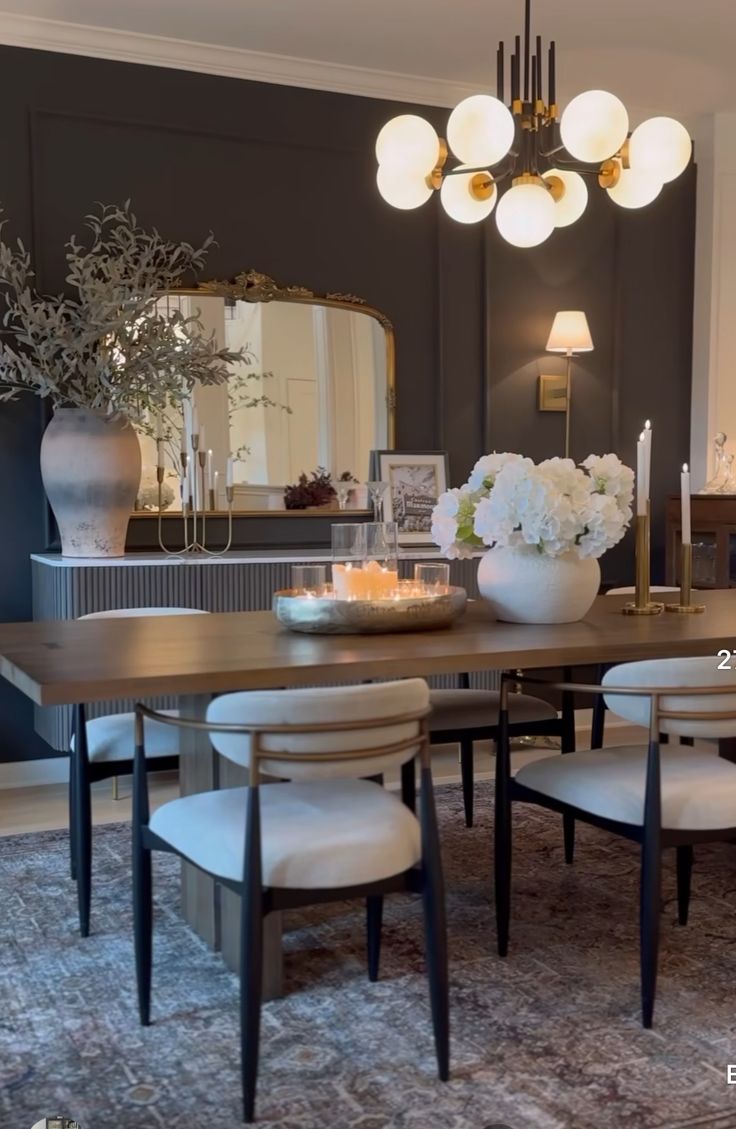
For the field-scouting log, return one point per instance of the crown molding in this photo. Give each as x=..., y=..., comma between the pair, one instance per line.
x=180, y=54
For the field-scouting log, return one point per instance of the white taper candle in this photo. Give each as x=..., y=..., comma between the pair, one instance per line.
x=685, y=505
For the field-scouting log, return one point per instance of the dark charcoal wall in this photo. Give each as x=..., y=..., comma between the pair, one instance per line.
x=285, y=179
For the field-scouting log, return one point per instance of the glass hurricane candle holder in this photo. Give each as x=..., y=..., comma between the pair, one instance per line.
x=309, y=579
x=432, y=578
x=365, y=560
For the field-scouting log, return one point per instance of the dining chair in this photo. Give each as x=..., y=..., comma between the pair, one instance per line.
x=599, y=705
x=324, y=833
x=673, y=796
x=101, y=749
x=461, y=716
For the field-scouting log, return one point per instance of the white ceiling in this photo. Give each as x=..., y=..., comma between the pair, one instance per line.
x=674, y=55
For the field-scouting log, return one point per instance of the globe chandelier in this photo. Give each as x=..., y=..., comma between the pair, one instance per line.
x=525, y=160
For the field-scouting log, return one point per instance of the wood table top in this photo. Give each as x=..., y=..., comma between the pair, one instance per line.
x=61, y=662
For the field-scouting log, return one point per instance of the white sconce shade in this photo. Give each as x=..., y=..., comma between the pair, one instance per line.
x=409, y=143
x=570, y=333
x=660, y=147
x=635, y=189
x=525, y=215
x=575, y=200
x=594, y=126
x=480, y=130
x=459, y=201
x=402, y=189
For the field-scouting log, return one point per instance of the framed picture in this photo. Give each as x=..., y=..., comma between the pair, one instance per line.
x=415, y=481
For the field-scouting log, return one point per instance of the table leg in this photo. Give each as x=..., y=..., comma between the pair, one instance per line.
x=212, y=911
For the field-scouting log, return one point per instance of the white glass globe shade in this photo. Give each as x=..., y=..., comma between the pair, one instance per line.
x=402, y=189
x=480, y=130
x=572, y=205
x=525, y=215
x=635, y=189
x=460, y=203
x=594, y=126
x=660, y=147
x=410, y=143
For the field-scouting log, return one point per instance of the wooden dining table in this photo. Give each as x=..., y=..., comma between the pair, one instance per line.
x=66, y=662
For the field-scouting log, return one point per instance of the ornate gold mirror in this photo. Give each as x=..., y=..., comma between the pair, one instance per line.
x=316, y=389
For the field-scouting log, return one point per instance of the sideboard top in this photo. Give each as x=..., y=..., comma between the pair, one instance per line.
x=249, y=556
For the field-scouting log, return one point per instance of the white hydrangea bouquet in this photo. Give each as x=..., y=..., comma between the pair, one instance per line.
x=554, y=507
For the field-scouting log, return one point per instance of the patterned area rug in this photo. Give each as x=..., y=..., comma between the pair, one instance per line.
x=548, y=1039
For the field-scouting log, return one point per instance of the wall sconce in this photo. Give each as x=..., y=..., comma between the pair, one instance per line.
x=570, y=334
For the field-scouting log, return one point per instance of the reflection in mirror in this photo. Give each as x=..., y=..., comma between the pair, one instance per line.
x=311, y=391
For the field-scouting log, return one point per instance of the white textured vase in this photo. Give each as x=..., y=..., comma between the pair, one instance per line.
x=524, y=586
x=91, y=470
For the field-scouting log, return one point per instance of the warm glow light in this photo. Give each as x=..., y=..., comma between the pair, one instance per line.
x=570, y=333
x=401, y=188
x=660, y=147
x=594, y=126
x=635, y=189
x=460, y=203
x=575, y=200
x=525, y=215
x=408, y=143
x=480, y=130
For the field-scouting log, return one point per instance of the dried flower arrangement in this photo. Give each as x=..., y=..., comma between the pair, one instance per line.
x=109, y=347
x=316, y=490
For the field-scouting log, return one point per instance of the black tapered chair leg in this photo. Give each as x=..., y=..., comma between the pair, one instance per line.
x=599, y=722
x=82, y=804
x=568, y=834
x=684, y=874
x=502, y=874
x=143, y=926
x=72, y=822
x=409, y=785
x=435, y=927
x=251, y=957
x=467, y=770
x=649, y=927
x=374, y=921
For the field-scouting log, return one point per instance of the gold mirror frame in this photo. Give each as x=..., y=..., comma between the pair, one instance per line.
x=252, y=286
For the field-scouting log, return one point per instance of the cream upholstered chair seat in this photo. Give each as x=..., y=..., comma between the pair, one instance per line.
x=698, y=787
x=659, y=795
x=325, y=831
x=110, y=738
x=476, y=709
x=339, y=833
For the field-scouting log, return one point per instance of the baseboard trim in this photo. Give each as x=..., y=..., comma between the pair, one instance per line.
x=27, y=774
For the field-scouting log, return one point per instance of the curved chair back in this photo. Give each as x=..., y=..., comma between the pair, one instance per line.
x=300, y=734
x=709, y=711
x=122, y=613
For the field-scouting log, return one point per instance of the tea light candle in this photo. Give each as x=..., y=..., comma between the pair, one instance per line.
x=685, y=505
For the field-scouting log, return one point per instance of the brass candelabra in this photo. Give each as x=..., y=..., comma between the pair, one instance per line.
x=193, y=508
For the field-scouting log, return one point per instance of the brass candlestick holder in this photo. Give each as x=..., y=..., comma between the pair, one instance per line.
x=195, y=511
x=642, y=604
x=685, y=606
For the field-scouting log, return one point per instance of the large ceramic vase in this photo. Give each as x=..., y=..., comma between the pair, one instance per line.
x=91, y=470
x=525, y=586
